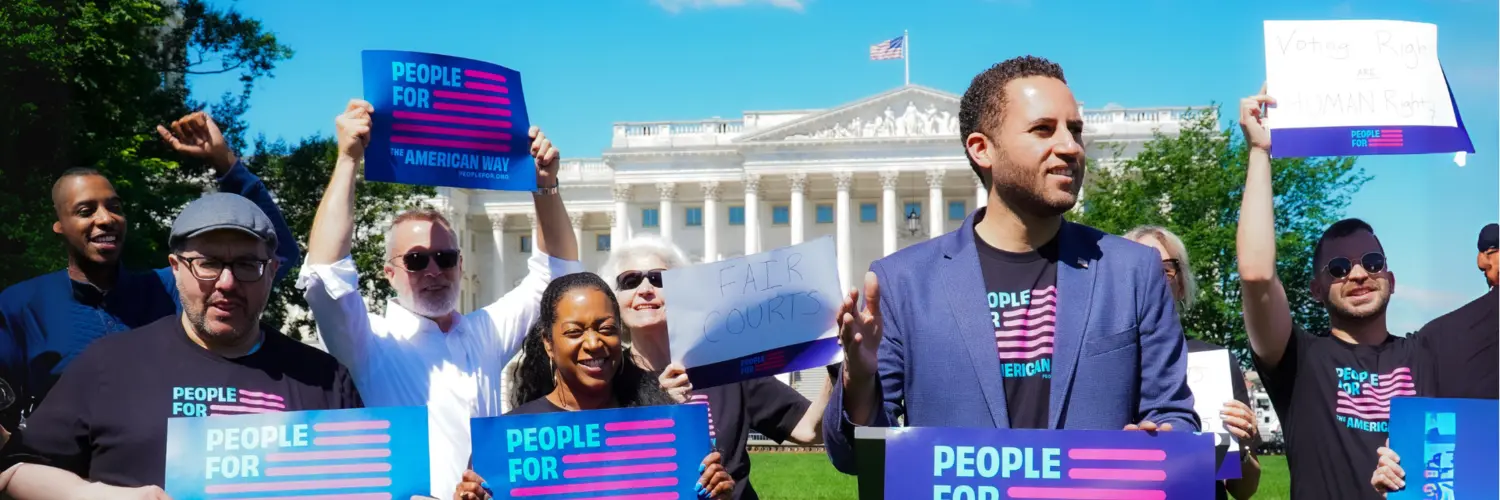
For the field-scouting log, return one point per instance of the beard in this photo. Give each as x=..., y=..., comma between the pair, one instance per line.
x=1343, y=312
x=1018, y=188
x=431, y=305
x=198, y=318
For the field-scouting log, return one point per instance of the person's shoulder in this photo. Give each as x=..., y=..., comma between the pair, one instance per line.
x=303, y=353
x=128, y=346
x=1116, y=247
x=923, y=251
x=538, y=405
x=22, y=293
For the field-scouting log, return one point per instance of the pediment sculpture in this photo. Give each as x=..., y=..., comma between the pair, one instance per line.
x=912, y=122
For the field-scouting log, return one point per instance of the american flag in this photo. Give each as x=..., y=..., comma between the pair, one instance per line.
x=476, y=118
x=638, y=466
x=347, y=460
x=894, y=48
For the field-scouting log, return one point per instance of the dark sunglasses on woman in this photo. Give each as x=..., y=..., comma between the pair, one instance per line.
x=1340, y=267
x=629, y=280
x=417, y=261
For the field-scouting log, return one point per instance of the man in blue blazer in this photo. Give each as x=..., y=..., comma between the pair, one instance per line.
x=1019, y=319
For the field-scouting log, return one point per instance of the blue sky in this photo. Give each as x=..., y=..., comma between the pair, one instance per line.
x=589, y=64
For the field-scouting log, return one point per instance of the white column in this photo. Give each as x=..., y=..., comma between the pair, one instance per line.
x=668, y=193
x=497, y=225
x=799, y=186
x=532, y=219
x=889, y=213
x=981, y=195
x=935, y=208
x=844, y=181
x=711, y=195
x=752, y=214
x=577, y=220
x=619, y=229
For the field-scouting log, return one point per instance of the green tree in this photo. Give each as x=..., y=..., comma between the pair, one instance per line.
x=300, y=173
x=84, y=83
x=1192, y=184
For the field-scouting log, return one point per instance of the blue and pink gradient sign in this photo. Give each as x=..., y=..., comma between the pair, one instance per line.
x=446, y=121
x=644, y=453
x=375, y=453
x=1448, y=447
x=992, y=464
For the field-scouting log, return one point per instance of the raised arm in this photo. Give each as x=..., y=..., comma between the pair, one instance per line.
x=330, y=281
x=196, y=135
x=554, y=229
x=1268, y=319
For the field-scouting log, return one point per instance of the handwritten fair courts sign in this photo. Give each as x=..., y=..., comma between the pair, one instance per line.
x=1448, y=447
x=755, y=316
x=991, y=464
x=363, y=454
x=1346, y=88
x=446, y=121
x=648, y=452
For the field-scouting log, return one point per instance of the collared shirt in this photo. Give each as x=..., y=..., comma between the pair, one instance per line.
x=47, y=321
x=403, y=359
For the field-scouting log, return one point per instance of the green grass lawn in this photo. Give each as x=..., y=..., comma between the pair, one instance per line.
x=808, y=476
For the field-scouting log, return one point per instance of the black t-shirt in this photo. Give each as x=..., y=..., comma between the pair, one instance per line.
x=1021, y=290
x=106, y=419
x=764, y=405
x=1459, y=355
x=1334, y=401
x=1239, y=392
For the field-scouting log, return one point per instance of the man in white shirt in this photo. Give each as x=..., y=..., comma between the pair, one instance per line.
x=422, y=352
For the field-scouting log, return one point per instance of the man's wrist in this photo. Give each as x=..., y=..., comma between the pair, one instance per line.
x=223, y=163
x=546, y=187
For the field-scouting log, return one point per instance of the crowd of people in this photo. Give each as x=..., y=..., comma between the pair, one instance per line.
x=1018, y=319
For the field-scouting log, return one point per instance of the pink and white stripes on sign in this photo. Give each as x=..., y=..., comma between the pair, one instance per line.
x=1374, y=403
x=702, y=399
x=1025, y=333
x=250, y=402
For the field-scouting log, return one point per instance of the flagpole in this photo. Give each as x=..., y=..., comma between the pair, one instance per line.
x=906, y=54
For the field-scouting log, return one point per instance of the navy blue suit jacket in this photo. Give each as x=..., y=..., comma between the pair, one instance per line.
x=1119, y=354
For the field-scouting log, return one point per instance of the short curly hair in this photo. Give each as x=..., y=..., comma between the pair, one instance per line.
x=984, y=102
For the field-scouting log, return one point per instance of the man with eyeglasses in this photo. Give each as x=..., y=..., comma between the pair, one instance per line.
x=422, y=351
x=1332, y=392
x=46, y=321
x=106, y=419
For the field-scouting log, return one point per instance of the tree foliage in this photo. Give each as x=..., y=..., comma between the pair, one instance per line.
x=84, y=83
x=299, y=173
x=1192, y=184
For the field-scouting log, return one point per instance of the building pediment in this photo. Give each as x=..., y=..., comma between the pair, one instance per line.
x=904, y=113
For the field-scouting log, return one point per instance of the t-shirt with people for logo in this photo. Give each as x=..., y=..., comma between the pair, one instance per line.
x=1021, y=290
x=1334, y=401
x=106, y=419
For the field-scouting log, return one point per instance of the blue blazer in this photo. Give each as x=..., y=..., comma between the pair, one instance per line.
x=1119, y=354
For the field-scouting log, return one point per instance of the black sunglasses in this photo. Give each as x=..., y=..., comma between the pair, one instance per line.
x=629, y=280
x=417, y=261
x=1340, y=267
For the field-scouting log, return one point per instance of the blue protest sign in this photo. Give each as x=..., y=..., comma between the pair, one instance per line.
x=990, y=464
x=361, y=453
x=446, y=121
x=645, y=452
x=755, y=316
x=1449, y=448
x=1359, y=87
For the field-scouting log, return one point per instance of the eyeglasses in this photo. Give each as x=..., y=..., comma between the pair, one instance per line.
x=211, y=269
x=1340, y=267
x=417, y=261
x=629, y=280
x=1171, y=267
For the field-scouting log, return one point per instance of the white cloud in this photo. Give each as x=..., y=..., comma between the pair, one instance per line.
x=675, y=6
x=1412, y=307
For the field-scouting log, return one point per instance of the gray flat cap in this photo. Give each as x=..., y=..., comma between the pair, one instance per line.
x=221, y=211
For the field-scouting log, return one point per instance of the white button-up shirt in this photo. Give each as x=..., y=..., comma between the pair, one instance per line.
x=402, y=359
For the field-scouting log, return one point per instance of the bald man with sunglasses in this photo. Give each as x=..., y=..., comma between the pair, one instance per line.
x=422, y=352
x=1332, y=392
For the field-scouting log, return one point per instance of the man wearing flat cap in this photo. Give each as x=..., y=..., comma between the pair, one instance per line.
x=106, y=419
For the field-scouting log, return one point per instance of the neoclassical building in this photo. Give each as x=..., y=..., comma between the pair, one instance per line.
x=878, y=174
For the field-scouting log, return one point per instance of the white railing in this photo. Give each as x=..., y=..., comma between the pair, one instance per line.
x=1137, y=115
x=676, y=133
x=585, y=171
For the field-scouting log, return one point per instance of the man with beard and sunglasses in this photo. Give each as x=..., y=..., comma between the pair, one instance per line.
x=106, y=419
x=1332, y=392
x=45, y=322
x=1019, y=319
x=422, y=352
